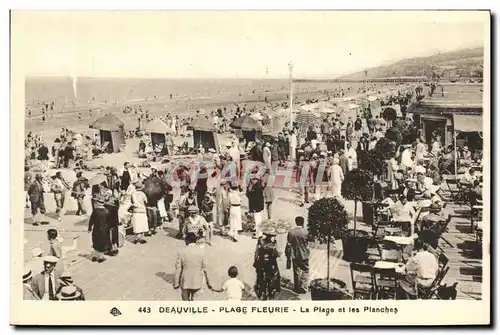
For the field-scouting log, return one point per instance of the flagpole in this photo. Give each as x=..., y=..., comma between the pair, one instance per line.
x=290, y=68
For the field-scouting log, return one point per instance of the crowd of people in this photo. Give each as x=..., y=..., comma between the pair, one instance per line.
x=127, y=201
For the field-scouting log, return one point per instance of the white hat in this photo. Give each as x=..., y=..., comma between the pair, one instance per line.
x=50, y=259
x=37, y=252
x=27, y=275
x=466, y=148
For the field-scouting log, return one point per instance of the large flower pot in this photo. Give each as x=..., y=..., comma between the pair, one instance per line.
x=354, y=246
x=337, y=289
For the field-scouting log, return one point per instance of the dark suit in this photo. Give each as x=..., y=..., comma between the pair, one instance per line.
x=35, y=193
x=39, y=284
x=297, y=250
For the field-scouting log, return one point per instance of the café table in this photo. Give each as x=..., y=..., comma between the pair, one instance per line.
x=402, y=242
x=399, y=267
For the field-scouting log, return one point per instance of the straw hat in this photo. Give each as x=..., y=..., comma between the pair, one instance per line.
x=466, y=148
x=27, y=275
x=50, y=259
x=212, y=150
x=66, y=278
x=269, y=230
x=68, y=293
x=37, y=252
x=193, y=209
x=139, y=186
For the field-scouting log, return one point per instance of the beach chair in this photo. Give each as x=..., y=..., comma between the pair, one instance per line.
x=386, y=283
x=431, y=291
x=102, y=149
x=362, y=281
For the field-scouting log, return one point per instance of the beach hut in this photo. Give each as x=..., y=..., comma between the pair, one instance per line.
x=158, y=131
x=204, y=134
x=251, y=129
x=111, y=132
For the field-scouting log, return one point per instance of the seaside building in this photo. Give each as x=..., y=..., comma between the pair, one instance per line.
x=454, y=108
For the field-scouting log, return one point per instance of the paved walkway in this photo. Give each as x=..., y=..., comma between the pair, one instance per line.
x=146, y=272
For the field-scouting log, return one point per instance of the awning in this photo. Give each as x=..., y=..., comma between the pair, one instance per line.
x=468, y=123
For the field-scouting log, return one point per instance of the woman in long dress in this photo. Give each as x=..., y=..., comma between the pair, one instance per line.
x=98, y=224
x=336, y=178
x=125, y=203
x=234, y=212
x=266, y=266
x=139, y=215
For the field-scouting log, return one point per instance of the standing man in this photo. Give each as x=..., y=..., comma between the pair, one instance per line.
x=35, y=194
x=28, y=178
x=190, y=268
x=43, y=155
x=78, y=192
x=46, y=284
x=297, y=250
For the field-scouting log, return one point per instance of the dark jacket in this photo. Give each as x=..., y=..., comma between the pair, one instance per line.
x=297, y=244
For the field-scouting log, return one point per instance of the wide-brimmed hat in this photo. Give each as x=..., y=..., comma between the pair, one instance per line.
x=466, y=148
x=68, y=293
x=27, y=275
x=212, y=150
x=269, y=230
x=139, y=186
x=37, y=252
x=50, y=259
x=193, y=209
x=66, y=278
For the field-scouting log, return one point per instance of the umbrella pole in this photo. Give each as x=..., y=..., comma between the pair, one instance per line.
x=290, y=67
x=455, y=145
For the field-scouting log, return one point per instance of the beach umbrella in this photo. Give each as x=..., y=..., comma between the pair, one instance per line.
x=250, y=124
x=269, y=132
x=201, y=124
x=98, y=179
x=157, y=126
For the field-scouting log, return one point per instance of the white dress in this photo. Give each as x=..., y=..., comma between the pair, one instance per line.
x=336, y=178
x=139, y=216
x=125, y=202
x=235, y=211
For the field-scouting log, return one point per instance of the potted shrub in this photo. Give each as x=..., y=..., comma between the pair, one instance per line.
x=394, y=134
x=357, y=186
x=375, y=164
x=327, y=221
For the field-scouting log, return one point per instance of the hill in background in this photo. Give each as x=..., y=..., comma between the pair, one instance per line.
x=454, y=65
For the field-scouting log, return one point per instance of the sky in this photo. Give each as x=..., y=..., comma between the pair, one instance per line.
x=223, y=44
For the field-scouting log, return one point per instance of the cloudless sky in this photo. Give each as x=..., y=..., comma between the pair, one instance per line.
x=229, y=44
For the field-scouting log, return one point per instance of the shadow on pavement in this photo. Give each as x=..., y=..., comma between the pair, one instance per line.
x=169, y=278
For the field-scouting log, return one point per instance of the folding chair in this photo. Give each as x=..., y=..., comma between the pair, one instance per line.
x=386, y=283
x=456, y=193
x=442, y=261
x=431, y=291
x=373, y=250
x=362, y=281
x=390, y=251
x=476, y=212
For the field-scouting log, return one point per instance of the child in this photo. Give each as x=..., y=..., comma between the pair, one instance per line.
x=233, y=286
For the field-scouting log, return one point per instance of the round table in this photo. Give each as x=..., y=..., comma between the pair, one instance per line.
x=400, y=240
x=399, y=267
